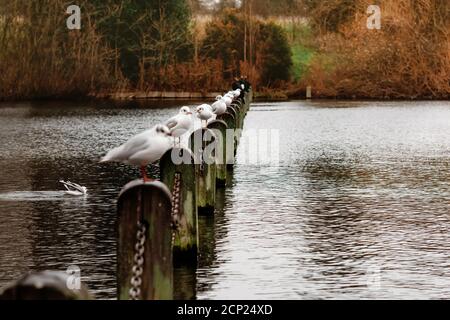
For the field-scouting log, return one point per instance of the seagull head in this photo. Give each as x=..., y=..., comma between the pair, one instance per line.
x=218, y=98
x=200, y=109
x=163, y=130
x=186, y=111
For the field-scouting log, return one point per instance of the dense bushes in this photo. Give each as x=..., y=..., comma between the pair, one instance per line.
x=257, y=49
x=407, y=58
x=39, y=58
x=158, y=45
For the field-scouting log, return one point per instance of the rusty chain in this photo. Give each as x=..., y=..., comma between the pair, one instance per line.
x=176, y=196
x=138, y=267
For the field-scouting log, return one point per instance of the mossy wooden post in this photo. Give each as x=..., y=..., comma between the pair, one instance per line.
x=230, y=145
x=150, y=204
x=181, y=161
x=228, y=119
x=220, y=129
x=239, y=115
x=203, y=143
x=46, y=285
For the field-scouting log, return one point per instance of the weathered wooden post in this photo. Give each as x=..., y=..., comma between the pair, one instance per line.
x=239, y=115
x=46, y=285
x=178, y=165
x=144, y=249
x=308, y=92
x=232, y=110
x=228, y=119
x=231, y=143
x=203, y=143
x=220, y=129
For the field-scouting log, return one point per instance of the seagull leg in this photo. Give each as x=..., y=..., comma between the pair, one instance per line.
x=144, y=174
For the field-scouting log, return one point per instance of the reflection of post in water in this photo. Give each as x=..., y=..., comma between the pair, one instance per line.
x=185, y=282
x=207, y=227
x=186, y=286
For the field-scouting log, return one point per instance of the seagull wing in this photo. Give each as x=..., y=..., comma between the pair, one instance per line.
x=132, y=146
x=172, y=122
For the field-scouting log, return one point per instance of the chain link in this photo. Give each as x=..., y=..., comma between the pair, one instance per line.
x=176, y=196
x=138, y=267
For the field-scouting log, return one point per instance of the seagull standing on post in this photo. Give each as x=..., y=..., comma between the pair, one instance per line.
x=143, y=149
x=180, y=124
x=204, y=113
x=219, y=107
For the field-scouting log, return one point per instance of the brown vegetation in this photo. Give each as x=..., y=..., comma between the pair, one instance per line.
x=40, y=59
x=408, y=58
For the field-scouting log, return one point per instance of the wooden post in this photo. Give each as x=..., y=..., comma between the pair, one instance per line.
x=228, y=119
x=239, y=115
x=308, y=92
x=203, y=143
x=231, y=124
x=220, y=129
x=46, y=285
x=149, y=203
x=232, y=110
x=181, y=161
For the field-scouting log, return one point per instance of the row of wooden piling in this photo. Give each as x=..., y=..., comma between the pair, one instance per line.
x=166, y=211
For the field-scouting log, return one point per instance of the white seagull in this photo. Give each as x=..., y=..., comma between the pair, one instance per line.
x=143, y=149
x=74, y=189
x=226, y=98
x=181, y=123
x=219, y=107
x=204, y=113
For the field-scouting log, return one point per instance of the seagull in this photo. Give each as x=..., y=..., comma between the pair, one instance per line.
x=228, y=99
x=74, y=189
x=237, y=93
x=219, y=107
x=180, y=124
x=143, y=149
x=204, y=113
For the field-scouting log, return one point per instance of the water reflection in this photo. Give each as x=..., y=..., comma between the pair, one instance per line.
x=357, y=208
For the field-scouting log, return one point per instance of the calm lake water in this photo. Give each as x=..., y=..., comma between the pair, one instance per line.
x=358, y=207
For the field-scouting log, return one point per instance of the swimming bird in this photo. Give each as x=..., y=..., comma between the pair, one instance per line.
x=204, y=113
x=180, y=124
x=219, y=107
x=143, y=149
x=74, y=189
